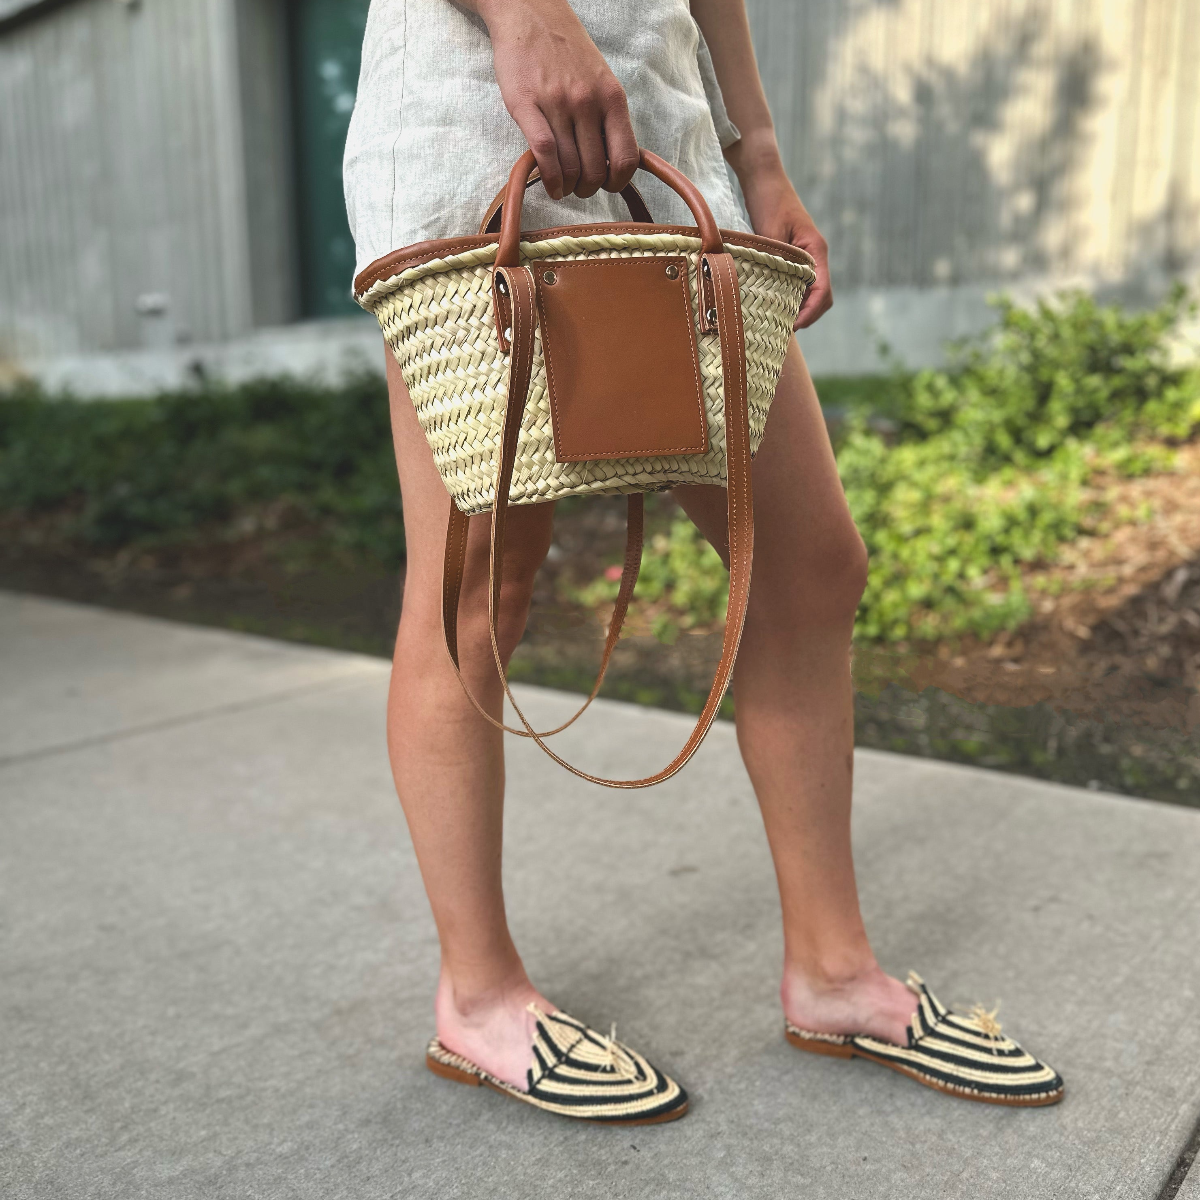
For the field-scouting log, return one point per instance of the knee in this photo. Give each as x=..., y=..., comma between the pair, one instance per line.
x=848, y=571
x=822, y=587
x=521, y=562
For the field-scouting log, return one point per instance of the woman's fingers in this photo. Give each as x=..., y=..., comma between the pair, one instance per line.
x=568, y=154
x=620, y=144
x=580, y=155
x=560, y=91
x=544, y=145
x=820, y=296
x=593, y=161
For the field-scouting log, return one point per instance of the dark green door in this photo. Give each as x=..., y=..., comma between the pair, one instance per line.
x=327, y=45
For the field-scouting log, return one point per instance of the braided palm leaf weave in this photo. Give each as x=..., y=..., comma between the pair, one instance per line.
x=437, y=319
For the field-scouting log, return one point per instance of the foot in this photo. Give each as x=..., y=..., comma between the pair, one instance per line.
x=495, y=1031
x=869, y=1002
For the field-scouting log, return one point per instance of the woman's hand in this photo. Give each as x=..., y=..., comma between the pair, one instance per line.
x=560, y=91
x=776, y=212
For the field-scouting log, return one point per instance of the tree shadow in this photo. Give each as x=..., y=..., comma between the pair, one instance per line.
x=963, y=171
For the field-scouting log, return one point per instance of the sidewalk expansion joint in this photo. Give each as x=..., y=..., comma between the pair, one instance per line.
x=202, y=714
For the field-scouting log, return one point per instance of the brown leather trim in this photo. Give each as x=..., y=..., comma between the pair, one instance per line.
x=423, y=252
x=634, y=201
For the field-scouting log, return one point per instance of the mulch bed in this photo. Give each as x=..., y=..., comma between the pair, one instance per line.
x=1101, y=688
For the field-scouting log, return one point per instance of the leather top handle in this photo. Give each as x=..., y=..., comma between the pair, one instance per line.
x=507, y=253
x=634, y=201
x=519, y=288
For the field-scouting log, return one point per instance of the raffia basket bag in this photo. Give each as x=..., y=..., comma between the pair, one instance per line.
x=591, y=360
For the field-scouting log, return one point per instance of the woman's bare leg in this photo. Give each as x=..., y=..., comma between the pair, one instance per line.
x=795, y=718
x=448, y=763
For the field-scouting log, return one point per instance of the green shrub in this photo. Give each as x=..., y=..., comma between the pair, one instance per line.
x=983, y=467
x=125, y=472
x=987, y=467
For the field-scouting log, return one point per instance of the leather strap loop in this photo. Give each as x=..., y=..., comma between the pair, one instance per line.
x=519, y=286
x=507, y=253
x=634, y=201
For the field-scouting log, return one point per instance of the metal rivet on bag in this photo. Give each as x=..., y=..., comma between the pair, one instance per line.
x=549, y=276
x=672, y=271
x=502, y=285
x=508, y=334
x=711, y=316
x=706, y=269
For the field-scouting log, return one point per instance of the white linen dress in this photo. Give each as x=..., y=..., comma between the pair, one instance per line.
x=430, y=141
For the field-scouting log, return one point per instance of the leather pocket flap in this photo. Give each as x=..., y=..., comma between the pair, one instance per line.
x=619, y=342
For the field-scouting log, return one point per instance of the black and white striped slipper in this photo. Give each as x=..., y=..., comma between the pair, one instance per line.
x=577, y=1072
x=966, y=1056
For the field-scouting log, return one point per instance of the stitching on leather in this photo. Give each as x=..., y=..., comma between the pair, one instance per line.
x=584, y=456
x=684, y=279
x=724, y=270
x=736, y=583
x=531, y=732
x=516, y=370
x=527, y=371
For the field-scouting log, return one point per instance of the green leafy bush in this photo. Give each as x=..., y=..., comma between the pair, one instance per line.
x=127, y=472
x=983, y=467
x=987, y=467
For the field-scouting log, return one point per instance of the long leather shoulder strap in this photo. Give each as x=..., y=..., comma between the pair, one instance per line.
x=520, y=301
x=521, y=304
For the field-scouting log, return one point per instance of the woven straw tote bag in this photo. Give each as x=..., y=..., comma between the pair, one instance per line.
x=590, y=360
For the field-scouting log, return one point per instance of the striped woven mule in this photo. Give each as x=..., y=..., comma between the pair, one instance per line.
x=966, y=1056
x=577, y=1072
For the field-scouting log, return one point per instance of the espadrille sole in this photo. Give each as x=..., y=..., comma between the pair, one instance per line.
x=480, y=1078
x=812, y=1045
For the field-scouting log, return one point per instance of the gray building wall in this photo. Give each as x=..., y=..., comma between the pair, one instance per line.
x=950, y=148
x=946, y=149
x=943, y=142
x=145, y=188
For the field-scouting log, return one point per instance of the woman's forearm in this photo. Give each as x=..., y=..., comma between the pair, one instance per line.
x=774, y=208
x=727, y=31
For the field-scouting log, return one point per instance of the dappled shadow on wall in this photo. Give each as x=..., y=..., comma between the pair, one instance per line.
x=982, y=144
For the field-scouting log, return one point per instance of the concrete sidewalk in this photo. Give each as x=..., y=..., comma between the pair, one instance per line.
x=216, y=961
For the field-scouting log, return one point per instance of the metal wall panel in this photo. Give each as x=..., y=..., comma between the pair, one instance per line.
x=939, y=142
x=122, y=178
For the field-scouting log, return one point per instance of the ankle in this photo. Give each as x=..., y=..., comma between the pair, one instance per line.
x=470, y=1000
x=488, y=1022
x=847, y=998
x=829, y=975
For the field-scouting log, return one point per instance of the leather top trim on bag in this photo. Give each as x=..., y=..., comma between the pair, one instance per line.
x=423, y=252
